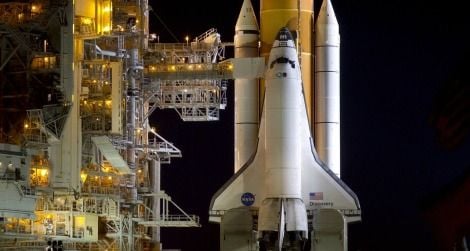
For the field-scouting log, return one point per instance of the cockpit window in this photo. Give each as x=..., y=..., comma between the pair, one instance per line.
x=282, y=60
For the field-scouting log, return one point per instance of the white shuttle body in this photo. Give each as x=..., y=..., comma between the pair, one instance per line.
x=284, y=184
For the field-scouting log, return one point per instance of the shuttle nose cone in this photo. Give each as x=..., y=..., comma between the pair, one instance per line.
x=284, y=39
x=284, y=35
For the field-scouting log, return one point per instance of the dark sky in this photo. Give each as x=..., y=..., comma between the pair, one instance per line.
x=396, y=56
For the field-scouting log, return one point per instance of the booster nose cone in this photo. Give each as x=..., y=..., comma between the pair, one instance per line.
x=327, y=15
x=247, y=19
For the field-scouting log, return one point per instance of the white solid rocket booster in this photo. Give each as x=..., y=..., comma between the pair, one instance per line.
x=327, y=88
x=246, y=90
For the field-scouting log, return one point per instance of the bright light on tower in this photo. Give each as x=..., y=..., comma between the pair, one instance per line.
x=83, y=177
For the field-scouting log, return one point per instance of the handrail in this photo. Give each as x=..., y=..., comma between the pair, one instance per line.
x=205, y=35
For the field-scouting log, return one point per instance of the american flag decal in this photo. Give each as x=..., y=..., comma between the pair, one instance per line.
x=316, y=196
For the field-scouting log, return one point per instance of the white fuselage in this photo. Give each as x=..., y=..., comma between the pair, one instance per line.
x=283, y=100
x=282, y=209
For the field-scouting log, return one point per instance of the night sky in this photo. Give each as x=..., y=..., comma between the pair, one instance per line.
x=397, y=57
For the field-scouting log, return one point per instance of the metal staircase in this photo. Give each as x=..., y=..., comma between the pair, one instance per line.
x=166, y=219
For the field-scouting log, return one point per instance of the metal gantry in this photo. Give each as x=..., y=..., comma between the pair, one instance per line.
x=187, y=77
x=90, y=158
x=28, y=62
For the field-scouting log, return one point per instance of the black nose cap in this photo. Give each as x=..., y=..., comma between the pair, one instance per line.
x=284, y=35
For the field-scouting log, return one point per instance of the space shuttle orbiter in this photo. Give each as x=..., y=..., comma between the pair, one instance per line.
x=285, y=182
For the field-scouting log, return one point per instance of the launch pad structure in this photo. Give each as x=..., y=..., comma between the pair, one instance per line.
x=80, y=163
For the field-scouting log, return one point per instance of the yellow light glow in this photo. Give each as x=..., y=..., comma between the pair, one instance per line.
x=110, y=178
x=230, y=66
x=139, y=171
x=83, y=177
x=26, y=126
x=46, y=59
x=108, y=102
x=33, y=7
x=85, y=20
x=173, y=68
x=96, y=177
x=79, y=221
x=43, y=172
x=107, y=9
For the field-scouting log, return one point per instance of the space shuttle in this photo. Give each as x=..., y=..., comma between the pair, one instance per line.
x=284, y=180
x=294, y=197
